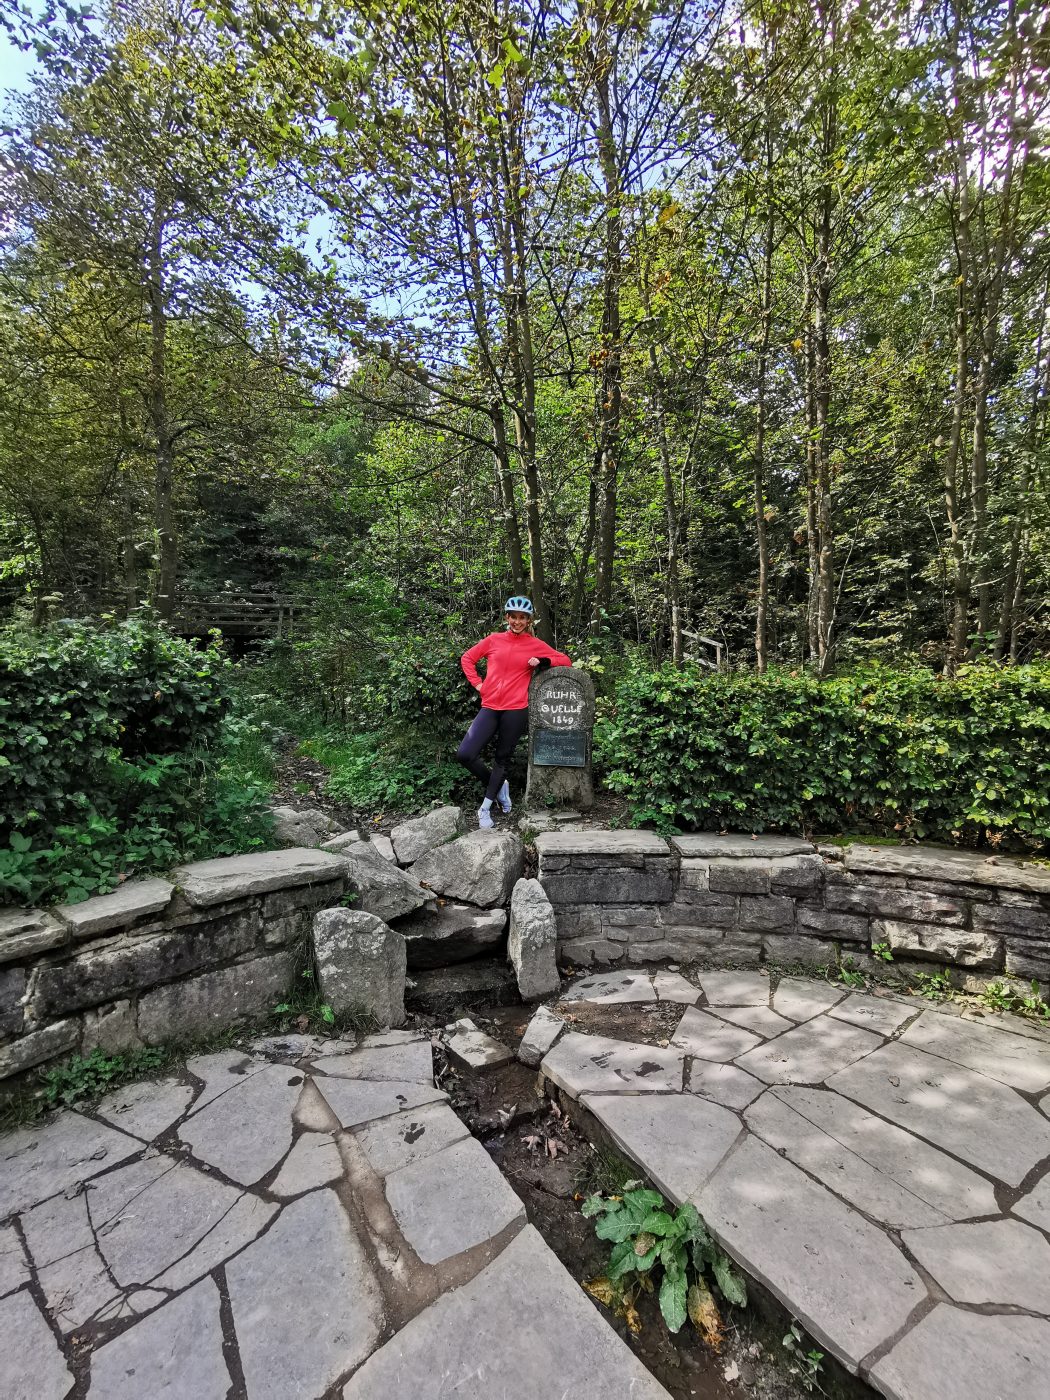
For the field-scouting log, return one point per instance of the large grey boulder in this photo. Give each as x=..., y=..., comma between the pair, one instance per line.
x=307, y=826
x=381, y=888
x=479, y=868
x=360, y=964
x=413, y=839
x=443, y=933
x=533, y=941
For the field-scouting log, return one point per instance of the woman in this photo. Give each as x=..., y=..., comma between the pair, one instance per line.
x=512, y=655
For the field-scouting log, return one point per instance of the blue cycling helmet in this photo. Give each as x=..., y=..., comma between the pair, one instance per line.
x=518, y=605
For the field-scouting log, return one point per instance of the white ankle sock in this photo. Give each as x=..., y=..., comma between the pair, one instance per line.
x=487, y=804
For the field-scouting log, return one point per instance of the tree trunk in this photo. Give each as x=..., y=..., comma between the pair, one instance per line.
x=607, y=437
x=957, y=643
x=508, y=504
x=167, y=555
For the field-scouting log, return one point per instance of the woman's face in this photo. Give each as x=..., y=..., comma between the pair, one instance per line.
x=517, y=622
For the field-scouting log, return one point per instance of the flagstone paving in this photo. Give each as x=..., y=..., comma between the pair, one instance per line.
x=882, y=1167
x=308, y=1219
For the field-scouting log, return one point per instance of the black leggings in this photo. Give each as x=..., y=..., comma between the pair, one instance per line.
x=508, y=726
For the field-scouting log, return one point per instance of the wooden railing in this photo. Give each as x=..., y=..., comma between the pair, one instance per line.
x=252, y=613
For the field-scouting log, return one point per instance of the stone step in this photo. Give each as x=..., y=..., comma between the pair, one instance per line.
x=443, y=991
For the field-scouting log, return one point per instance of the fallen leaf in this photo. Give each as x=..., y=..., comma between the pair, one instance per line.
x=604, y=1290
x=704, y=1314
x=532, y=1141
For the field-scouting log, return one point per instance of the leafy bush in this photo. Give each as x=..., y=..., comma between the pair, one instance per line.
x=371, y=773
x=902, y=751
x=112, y=759
x=645, y=1234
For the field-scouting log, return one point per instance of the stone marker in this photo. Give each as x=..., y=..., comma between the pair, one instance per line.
x=533, y=941
x=561, y=717
x=412, y=839
x=360, y=964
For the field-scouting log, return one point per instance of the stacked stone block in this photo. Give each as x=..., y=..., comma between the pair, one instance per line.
x=157, y=959
x=741, y=900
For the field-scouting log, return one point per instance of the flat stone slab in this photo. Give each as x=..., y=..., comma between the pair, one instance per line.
x=175, y=1351
x=355, y=1101
x=520, y=1330
x=207, y=882
x=878, y=1014
x=881, y=1169
x=955, y=1355
x=33, y=1366
x=148, y=1109
x=542, y=1031
x=951, y=1107
x=672, y=986
x=594, y=1064
x=134, y=900
x=398, y=1141
x=735, y=988
x=26, y=932
x=1034, y=1206
x=472, y=1049
x=1023, y=1064
x=850, y=1287
x=945, y=863
x=313, y=1161
x=306, y=1306
x=220, y=1072
x=802, y=998
x=13, y=1267
x=74, y=1278
x=680, y=1138
x=36, y=1163
x=810, y=1052
x=725, y=1084
x=610, y=988
x=1000, y=1262
x=711, y=1038
x=600, y=843
x=451, y=1200
x=151, y=1213
x=247, y=1131
x=412, y=1060
x=704, y=845
x=759, y=1019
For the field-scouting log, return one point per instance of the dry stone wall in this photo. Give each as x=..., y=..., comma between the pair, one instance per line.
x=157, y=959
x=740, y=900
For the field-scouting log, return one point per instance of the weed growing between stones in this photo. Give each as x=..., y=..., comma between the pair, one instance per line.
x=998, y=996
x=94, y=1076
x=934, y=986
x=644, y=1234
x=806, y=1363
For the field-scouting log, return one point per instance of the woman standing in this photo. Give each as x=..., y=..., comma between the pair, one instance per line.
x=512, y=656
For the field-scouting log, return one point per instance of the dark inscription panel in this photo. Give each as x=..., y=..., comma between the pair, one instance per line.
x=552, y=748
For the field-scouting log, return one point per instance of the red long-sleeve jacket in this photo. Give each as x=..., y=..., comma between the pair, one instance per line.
x=506, y=683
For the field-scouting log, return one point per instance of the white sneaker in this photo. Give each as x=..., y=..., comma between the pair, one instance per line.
x=503, y=798
x=485, y=821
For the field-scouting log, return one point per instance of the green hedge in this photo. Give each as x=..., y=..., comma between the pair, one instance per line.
x=111, y=758
x=901, y=752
